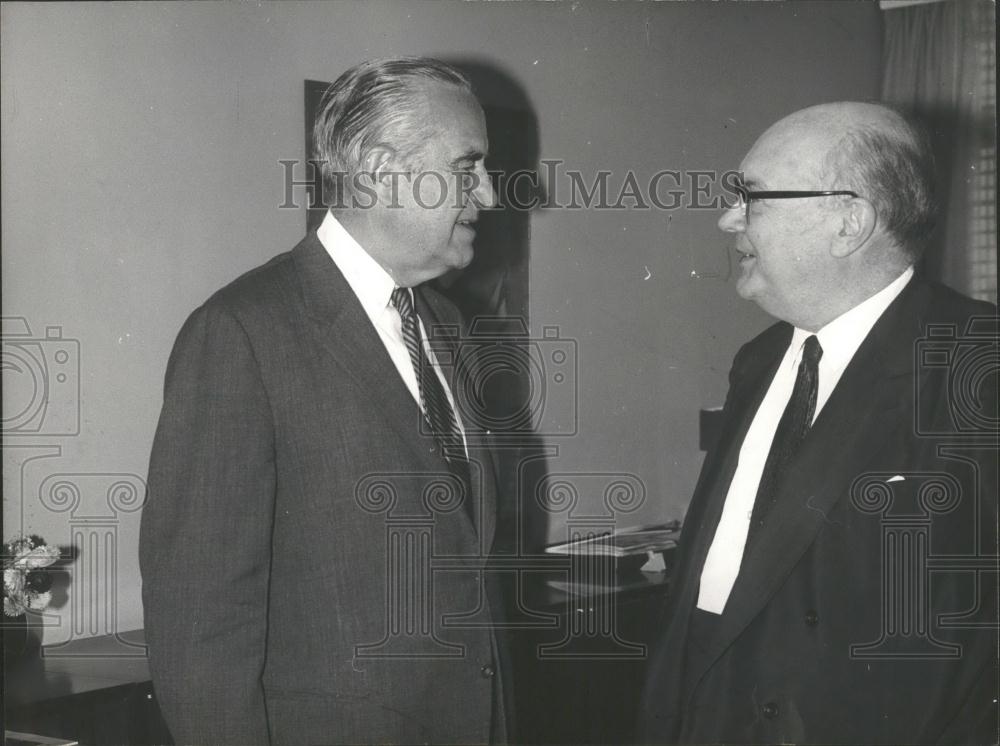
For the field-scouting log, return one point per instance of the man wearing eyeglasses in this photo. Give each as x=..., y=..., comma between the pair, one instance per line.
x=837, y=573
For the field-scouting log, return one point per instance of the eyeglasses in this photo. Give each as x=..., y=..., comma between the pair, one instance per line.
x=746, y=196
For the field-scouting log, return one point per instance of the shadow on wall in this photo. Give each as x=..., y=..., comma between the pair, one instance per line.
x=493, y=294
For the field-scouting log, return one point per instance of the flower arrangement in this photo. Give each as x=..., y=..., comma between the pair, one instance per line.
x=26, y=583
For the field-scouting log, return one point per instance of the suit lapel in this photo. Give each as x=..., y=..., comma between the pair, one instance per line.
x=345, y=333
x=749, y=384
x=753, y=369
x=860, y=414
x=446, y=339
x=720, y=472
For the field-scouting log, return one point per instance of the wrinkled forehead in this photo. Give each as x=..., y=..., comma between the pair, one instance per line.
x=789, y=155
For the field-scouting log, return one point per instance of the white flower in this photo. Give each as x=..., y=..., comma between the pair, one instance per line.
x=42, y=556
x=12, y=608
x=21, y=556
x=13, y=581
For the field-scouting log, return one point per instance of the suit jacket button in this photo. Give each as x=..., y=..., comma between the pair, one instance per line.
x=487, y=671
x=812, y=618
x=770, y=710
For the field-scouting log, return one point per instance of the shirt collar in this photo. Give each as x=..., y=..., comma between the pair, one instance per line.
x=369, y=281
x=841, y=337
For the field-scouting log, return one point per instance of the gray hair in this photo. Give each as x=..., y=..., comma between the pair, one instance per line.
x=373, y=103
x=891, y=164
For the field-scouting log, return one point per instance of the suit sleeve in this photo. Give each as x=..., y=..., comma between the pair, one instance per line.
x=977, y=720
x=205, y=538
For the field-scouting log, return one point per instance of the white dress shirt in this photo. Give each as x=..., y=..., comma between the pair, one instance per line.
x=373, y=286
x=839, y=339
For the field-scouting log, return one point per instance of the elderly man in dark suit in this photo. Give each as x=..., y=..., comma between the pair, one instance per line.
x=320, y=505
x=837, y=569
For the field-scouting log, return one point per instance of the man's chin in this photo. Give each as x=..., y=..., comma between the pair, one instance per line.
x=745, y=286
x=462, y=257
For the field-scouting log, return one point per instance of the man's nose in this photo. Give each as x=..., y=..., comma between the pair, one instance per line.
x=484, y=194
x=733, y=220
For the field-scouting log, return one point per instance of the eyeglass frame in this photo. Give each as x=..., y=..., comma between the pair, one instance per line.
x=746, y=196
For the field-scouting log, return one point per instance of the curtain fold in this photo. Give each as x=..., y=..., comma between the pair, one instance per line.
x=938, y=63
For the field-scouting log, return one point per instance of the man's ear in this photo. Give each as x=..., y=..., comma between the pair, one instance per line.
x=377, y=165
x=858, y=220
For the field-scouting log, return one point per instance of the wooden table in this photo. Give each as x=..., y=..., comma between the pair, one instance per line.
x=94, y=690
x=579, y=681
x=579, y=663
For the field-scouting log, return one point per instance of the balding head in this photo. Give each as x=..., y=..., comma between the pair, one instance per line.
x=865, y=179
x=873, y=150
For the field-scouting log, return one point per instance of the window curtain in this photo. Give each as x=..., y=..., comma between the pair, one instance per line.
x=939, y=64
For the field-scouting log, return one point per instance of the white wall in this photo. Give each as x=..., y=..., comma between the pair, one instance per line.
x=140, y=148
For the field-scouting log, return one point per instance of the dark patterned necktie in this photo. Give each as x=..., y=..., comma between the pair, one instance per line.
x=437, y=409
x=791, y=431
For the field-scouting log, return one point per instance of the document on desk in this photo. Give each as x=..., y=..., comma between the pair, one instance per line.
x=13, y=738
x=622, y=544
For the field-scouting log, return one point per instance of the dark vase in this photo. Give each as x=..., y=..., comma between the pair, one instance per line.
x=15, y=637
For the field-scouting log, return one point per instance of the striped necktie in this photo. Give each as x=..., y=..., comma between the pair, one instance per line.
x=437, y=409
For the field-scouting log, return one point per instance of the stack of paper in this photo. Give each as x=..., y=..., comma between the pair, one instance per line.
x=623, y=544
